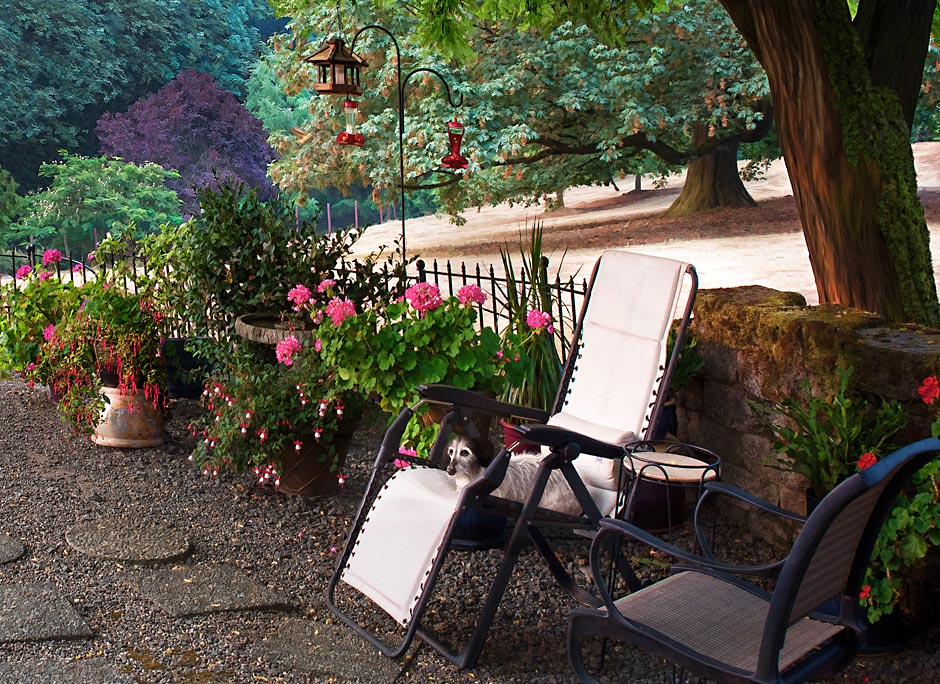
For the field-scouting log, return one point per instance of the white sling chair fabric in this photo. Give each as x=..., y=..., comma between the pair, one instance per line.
x=621, y=360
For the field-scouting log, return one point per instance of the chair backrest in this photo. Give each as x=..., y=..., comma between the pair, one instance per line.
x=617, y=373
x=832, y=552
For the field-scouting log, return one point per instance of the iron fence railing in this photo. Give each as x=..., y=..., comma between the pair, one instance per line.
x=565, y=296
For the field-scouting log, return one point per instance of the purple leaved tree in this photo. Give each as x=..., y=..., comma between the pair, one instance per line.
x=195, y=127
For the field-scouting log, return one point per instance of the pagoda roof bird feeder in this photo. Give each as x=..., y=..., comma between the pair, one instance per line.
x=337, y=69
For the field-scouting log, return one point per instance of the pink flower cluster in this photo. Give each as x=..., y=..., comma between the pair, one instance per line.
x=471, y=294
x=286, y=349
x=424, y=297
x=49, y=333
x=51, y=256
x=325, y=285
x=340, y=309
x=538, y=320
x=299, y=296
x=23, y=271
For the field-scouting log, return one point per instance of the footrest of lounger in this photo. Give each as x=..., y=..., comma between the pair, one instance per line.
x=401, y=538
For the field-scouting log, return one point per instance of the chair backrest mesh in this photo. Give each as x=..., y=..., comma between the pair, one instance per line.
x=828, y=572
x=621, y=352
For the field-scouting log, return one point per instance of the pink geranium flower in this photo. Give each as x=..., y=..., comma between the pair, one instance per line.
x=49, y=333
x=538, y=320
x=340, y=309
x=23, y=271
x=299, y=295
x=471, y=294
x=286, y=349
x=45, y=275
x=325, y=284
x=51, y=256
x=424, y=297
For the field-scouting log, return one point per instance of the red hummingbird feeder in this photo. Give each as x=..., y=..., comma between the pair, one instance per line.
x=349, y=136
x=454, y=160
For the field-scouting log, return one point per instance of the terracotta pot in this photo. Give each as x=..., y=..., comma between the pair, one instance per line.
x=511, y=436
x=128, y=421
x=308, y=472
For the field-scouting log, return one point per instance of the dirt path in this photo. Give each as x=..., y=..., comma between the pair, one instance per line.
x=762, y=245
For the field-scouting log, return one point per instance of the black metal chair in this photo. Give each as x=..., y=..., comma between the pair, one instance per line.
x=706, y=619
x=612, y=390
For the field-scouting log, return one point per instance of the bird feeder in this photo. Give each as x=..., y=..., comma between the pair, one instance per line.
x=455, y=135
x=349, y=136
x=337, y=69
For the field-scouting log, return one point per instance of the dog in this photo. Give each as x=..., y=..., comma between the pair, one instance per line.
x=464, y=466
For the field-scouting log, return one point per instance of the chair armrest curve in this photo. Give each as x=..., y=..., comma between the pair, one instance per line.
x=448, y=394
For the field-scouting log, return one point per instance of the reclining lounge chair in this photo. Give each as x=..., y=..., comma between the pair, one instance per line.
x=613, y=386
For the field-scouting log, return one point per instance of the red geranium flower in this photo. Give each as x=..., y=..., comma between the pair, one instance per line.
x=865, y=592
x=867, y=460
x=929, y=389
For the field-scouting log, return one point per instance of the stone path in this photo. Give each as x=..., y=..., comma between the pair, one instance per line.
x=10, y=550
x=128, y=541
x=193, y=590
x=43, y=612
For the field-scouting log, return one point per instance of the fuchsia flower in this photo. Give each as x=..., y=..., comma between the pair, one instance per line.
x=537, y=320
x=325, y=284
x=424, y=297
x=23, y=271
x=299, y=296
x=471, y=294
x=90, y=257
x=51, y=256
x=286, y=349
x=49, y=333
x=865, y=592
x=340, y=309
x=929, y=390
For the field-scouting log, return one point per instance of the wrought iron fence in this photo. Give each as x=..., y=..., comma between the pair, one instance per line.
x=565, y=296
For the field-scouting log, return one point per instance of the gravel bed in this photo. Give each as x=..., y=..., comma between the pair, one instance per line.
x=53, y=481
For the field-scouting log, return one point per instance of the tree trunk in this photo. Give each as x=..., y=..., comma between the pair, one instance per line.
x=847, y=148
x=712, y=180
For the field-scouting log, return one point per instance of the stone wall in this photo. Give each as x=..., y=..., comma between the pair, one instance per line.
x=759, y=345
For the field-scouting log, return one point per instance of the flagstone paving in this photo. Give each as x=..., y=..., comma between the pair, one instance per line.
x=81, y=672
x=117, y=539
x=195, y=590
x=38, y=612
x=330, y=651
x=10, y=550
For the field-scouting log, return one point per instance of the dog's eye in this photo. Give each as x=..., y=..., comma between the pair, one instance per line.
x=465, y=453
x=450, y=451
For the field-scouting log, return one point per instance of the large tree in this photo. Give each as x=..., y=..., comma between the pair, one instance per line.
x=193, y=126
x=844, y=89
x=65, y=62
x=542, y=113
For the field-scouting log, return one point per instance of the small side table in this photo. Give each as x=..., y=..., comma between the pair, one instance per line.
x=659, y=473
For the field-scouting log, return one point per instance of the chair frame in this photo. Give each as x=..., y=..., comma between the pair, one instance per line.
x=829, y=657
x=564, y=446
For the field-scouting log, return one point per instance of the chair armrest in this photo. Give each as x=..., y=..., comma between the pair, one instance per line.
x=447, y=394
x=741, y=495
x=554, y=436
x=610, y=527
x=720, y=488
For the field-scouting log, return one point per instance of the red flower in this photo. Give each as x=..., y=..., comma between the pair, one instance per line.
x=867, y=460
x=865, y=592
x=929, y=389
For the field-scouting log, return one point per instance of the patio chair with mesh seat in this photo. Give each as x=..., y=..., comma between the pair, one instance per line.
x=707, y=619
x=614, y=384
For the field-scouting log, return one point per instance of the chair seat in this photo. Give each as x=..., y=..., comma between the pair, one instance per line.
x=678, y=468
x=718, y=620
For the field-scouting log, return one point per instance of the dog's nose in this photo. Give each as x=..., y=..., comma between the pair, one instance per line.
x=451, y=469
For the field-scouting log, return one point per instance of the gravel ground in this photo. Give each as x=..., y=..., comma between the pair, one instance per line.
x=53, y=480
